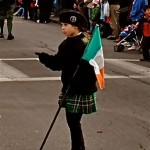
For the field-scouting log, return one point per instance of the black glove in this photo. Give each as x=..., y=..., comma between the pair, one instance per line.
x=42, y=56
x=61, y=102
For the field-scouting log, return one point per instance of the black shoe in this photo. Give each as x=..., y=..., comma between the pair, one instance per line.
x=10, y=37
x=1, y=36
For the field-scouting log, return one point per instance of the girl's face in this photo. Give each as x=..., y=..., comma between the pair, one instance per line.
x=69, y=30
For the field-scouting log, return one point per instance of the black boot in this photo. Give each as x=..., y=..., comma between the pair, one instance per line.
x=10, y=37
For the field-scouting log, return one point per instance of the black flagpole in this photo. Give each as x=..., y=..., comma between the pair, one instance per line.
x=57, y=113
x=54, y=119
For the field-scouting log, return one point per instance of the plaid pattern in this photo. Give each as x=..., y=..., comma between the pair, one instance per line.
x=85, y=104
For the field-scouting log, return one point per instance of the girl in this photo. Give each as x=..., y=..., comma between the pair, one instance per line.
x=78, y=77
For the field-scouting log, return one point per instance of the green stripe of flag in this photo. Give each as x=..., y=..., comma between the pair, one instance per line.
x=93, y=46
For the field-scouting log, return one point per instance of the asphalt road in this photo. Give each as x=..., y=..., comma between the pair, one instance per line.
x=29, y=94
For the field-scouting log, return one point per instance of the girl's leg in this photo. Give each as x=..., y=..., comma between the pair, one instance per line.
x=1, y=27
x=74, y=124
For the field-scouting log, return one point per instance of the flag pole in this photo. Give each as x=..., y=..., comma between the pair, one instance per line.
x=54, y=119
x=58, y=110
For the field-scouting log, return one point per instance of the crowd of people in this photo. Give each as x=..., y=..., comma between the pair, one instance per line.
x=113, y=16
x=79, y=88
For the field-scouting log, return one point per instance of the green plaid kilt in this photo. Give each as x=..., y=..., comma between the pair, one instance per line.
x=85, y=104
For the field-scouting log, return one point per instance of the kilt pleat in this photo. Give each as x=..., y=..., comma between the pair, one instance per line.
x=83, y=103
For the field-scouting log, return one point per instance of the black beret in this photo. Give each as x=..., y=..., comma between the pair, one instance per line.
x=73, y=17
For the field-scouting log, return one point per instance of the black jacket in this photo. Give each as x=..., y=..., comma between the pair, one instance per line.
x=67, y=60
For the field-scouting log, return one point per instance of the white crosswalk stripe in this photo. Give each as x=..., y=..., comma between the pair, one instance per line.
x=9, y=73
x=126, y=64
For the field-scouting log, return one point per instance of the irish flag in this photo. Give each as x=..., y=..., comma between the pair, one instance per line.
x=94, y=55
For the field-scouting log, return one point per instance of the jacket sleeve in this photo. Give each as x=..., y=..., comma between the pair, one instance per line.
x=51, y=61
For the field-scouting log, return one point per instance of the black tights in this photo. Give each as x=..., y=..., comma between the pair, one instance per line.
x=73, y=120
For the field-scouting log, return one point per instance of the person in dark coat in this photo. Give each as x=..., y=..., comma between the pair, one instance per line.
x=124, y=10
x=6, y=12
x=45, y=8
x=78, y=77
x=26, y=5
x=114, y=18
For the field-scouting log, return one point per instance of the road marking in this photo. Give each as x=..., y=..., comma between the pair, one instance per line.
x=130, y=66
x=23, y=79
x=9, y=73
x=134, y=60
x=14, y=59
x=30, y=79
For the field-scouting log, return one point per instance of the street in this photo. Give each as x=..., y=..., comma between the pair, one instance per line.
x=29, y=96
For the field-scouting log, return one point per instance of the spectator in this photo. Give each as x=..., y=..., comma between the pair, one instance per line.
x=81, y=6
x=27, y=11
x=7, y=10
x=45, y=9
x=19, y=12
x=9, y=17
x=114, y=18
x=33, y=10
x=124, y=10
x=145, y=26
x=2, y=17
x=20, y=9
x=137, y=10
